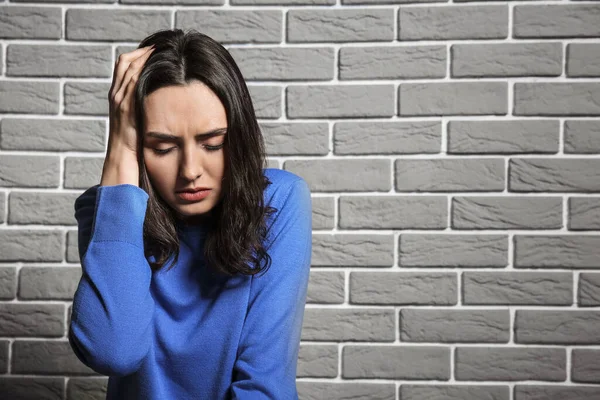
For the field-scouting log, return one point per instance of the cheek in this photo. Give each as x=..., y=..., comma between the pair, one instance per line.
x=158, y=173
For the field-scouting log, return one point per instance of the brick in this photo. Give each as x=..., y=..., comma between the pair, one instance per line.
x=317, y=361
x=503, y=212
x=387, y=137
x=282, y=2
x=426, y=362
x=517, y=288
x=582, y=137
x=43, y=60
x=506, y=59
x=585, y=365
x=453, y=250
x=235, y=26
x=503, y=137
x=47, y=357
x=3, y=200
x=403, y=288
x=557, y=327
x=510, y=364
x=30, y=171
x=393, y=212
x=32, y=320
x=86, y=98
x=353, y=175
x=82, y=172
x=18, y=245
x=392, y=62
x=29, y=97
x=68, y=1
x=448, y=326
x=339, y=101
x=453, y=22
x=325, y=287
x=348, y=324
x=556, y=251
x=454, y=392
x=453, y=98
x=4, y=345
x=72, y=247
x=95, y=24
x=38, y=388
x=583, y=60
x=361, y=250
x=589, y=289
x=8, y=283
x=556, y=392
x=584, y=213
x=87, y=388
x=48, y=283
x=554, y=175
x=373, y=2
x=556, y=98
x=340, y=25
x=41, y=208
x=52, y=134
x=21, y=22
x=343, y=390
x=267, y=101
x=304, y=138
x=556, y=21
x=285, y=63
x=176, y=2
x=323, y=212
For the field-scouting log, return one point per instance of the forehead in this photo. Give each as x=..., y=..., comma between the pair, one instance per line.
x=193, y=106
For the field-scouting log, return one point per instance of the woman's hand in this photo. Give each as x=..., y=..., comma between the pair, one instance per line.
x=121, y=100
x=121, y=165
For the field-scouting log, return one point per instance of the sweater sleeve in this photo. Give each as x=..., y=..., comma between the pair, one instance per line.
x=110, y=329
x=265, y=367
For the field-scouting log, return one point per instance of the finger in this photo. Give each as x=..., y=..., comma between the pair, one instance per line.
x=132, y=55
x=129, y=89
x=122, y=64
x=133, y=70
x=127, y=70
x=125, y=56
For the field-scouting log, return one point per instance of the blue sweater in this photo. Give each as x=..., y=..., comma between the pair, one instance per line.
x=188, y=333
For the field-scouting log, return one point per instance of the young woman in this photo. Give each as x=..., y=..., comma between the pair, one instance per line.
x=195, y=257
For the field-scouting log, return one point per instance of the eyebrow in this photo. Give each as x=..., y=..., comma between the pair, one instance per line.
x=205, y=135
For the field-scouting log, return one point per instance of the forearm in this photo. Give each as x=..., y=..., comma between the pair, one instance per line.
x=120, y=167
x=112, y=307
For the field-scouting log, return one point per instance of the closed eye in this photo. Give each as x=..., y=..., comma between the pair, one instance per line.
x=206, y=146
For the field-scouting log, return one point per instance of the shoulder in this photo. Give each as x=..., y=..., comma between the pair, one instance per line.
x=283, y=183
x=290, y=195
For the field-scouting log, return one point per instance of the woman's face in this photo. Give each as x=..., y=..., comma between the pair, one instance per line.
x=174, y=117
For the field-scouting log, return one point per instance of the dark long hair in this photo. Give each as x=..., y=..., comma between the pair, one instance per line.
x=236, y=226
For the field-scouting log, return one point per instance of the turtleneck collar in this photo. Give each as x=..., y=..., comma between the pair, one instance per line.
x=193, y=230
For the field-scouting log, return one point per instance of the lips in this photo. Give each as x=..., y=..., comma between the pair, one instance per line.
x=194, y=190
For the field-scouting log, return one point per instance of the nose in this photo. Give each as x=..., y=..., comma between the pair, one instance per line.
x=190, y=167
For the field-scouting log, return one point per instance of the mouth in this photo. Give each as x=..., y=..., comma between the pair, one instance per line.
x=193, y=190
x=193, y=195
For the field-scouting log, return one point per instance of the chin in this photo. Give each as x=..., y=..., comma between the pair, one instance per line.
x=192, y=211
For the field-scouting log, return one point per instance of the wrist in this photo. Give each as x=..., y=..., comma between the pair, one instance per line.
x=120, y=167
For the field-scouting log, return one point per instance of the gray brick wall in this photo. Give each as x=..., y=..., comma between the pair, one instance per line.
x=453, y=153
